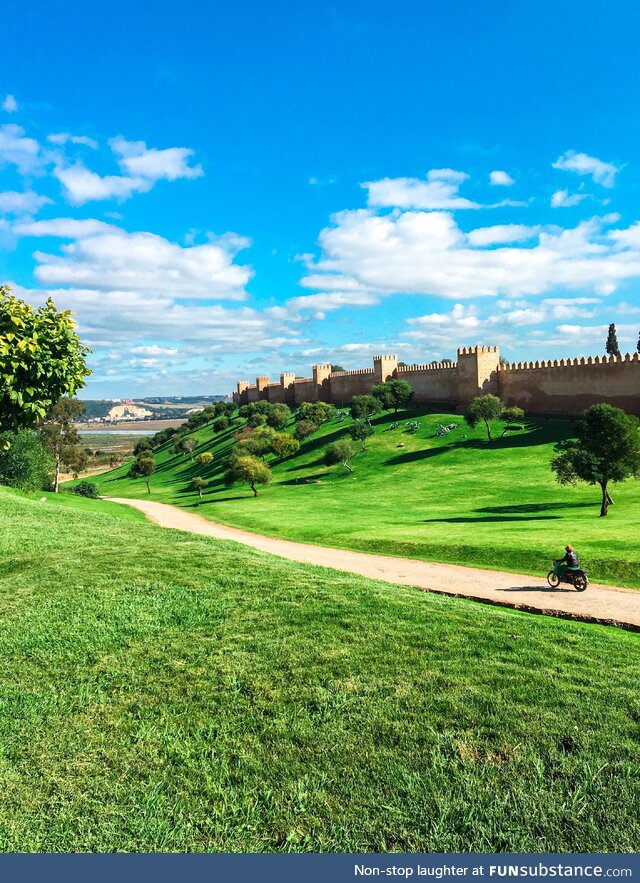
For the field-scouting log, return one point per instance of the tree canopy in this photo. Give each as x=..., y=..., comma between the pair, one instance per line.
x=342, y=452
x=393, y=394
x=606, y=449
x=364, y=407
x=143, y=467
x=612, y=341
x=484, y=409
x=41, y=360
x=61, y=439
x=247, y=469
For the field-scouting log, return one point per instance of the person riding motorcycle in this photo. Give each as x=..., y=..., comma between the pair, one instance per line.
x=570, y=560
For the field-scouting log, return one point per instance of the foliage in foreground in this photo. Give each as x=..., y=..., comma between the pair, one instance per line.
x=24, y=462
x=163, y=691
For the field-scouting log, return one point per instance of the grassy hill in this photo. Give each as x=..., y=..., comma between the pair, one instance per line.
x=453, y=499
x=163, y=691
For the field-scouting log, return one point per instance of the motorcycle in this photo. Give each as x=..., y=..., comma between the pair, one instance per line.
x=575, y=576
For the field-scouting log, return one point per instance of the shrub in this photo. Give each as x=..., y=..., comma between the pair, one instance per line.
x=340, y=452
x=220, y=424
x=86, y=489
x=304, y=429
x=25, y=464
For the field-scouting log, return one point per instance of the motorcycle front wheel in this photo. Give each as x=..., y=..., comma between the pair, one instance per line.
x=553, y=579
x=580, y=582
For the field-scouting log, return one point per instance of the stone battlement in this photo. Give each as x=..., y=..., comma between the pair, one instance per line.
x=543, y=387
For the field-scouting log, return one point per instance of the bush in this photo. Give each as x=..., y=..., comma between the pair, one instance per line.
x=220, y=424
x=304, y=429
x=24, y=464
x=86, y=489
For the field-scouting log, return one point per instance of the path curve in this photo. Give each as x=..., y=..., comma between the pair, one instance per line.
x=603, y=604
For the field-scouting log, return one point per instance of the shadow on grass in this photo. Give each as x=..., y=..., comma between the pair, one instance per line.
x=527, y=439
x=470, y=519
x=533, y=507
x=310, y=479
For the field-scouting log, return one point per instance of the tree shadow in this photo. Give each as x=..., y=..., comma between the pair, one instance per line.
x=469, y=519
x=527, y=439
x=533, y=507
x=310, y=479
x=546, y=589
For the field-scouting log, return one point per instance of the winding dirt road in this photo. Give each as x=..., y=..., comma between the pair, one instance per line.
x=603, y=604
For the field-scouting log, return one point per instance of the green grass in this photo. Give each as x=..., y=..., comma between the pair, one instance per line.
x=454, y=499
x=163, y=691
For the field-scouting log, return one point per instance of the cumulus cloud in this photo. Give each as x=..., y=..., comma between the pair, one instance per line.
x=62, y=138
x=603, y=173
x=10, y=105
x=500, y=179
x=562, y=199
x=438, y=191
x=501, y=234
x=21, y=203
x=19, y=150
x=427, y=253
x=140, y=161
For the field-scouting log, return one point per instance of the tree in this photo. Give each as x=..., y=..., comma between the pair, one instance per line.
x=24, y=462
x=143, y=467
x=342, y=452
x=199, y=484
x=220, y=424
x=258, y=443
x=205, y=458
x=364, y=407
x=612, y=341
x=188, y=446
x=484, y=408
x=279, y=416
x=316, y=412
x=393, y=394
x=60, y=437
x=41, y=360
x=246, y=469
x=606, y=449
x=638, y=346
x=145, y=444
x=304, y=428
x=511, y=416
x=335, y=368
x=284, y=445
x=360, y=432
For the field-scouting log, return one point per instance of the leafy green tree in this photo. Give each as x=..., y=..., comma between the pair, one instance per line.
x=199, y=484
x=86, y=489
x=188, y=446
x=335, y=368
x=258, y=443
x=284, y=445
x=256, y=419
x=511, y=416
x=393, y=394
x=360, y=432
x=364, y=407
x=316, y=412
x=247, y=469
x=304, y=428
x=61, y=439
x=41, y=360
x=279, y=416
x=205, y=459
x=144, y=444
x=484, y=409
x=612, y=341
x=143, y=467
x=24, y=462
x=606, y=449
x=220, y=424
x=342, y=452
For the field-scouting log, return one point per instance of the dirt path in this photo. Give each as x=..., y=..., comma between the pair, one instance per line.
x=604, y=604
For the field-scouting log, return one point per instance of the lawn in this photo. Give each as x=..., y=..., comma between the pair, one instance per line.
x=453, y=499
x=163, y=691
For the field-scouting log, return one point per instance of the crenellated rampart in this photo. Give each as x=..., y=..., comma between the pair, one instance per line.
x=556, y=386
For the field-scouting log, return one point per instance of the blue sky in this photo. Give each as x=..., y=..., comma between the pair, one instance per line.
x=220, y=190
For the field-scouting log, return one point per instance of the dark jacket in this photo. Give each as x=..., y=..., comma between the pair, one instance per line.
x=570, y=559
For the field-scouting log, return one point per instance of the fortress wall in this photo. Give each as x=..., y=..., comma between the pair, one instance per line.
x=275, y=393
x=431, y=383
x=304, y=390
x=253, y=393
x=570, y=386
x=344, y=385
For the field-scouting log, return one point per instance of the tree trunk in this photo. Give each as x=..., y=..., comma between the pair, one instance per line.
x=347, y=467
x=148, y=485
x=253, y=488
x=200, y=493
x=486, y=423
x=56, y=476
x=605, y=501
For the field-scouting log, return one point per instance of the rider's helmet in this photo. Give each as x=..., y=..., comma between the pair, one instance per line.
x=568, y=548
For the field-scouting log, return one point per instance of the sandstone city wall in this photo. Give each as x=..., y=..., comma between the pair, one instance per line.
x=562, y=387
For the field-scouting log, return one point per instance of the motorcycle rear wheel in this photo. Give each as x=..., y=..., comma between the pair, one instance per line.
x=580, y=582
x=553, y=579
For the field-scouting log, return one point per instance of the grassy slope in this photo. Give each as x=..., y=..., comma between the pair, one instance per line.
x=453, y=499
x=161, y=691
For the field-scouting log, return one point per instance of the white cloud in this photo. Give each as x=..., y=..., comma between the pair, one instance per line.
x=154, y=350
x=140, y=161
x=21, y=204
x=427, y=253
x=439, y=191
x=561, y=199
x=10, y=105
x=500, y=179
x=501, y=234
x=18, y=150
x=82, y=185
x=62, y=138
x=603, y=173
